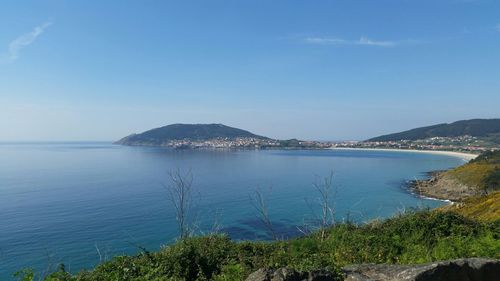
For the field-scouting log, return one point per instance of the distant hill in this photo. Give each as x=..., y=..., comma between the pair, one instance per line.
x=193, y=132
x=473, y=127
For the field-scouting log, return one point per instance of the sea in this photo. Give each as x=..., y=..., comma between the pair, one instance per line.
x=82, y=203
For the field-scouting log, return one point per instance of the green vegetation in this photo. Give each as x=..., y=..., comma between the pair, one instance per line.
x=483, y=208
x=186, y=131
x=490, y=140
x=487, y=128
x=482, y=173
x=290, y=143
x=414, y=237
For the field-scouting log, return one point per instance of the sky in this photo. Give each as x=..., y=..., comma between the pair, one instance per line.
x=324, y=70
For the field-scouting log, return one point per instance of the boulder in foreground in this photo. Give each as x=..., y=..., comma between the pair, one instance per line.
x=471, y=269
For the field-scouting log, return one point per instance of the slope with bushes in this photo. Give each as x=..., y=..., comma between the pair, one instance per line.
x=483, y=208
x=479, y=177
x=482, y=172
x=415, y=237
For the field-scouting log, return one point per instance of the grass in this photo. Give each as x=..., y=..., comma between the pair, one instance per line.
x=484, y=208
x=415, y=237
x=482, y=173
x=472, y=174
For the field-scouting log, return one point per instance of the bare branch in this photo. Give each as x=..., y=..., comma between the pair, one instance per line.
x=328, y=195
x=181, y=196
x=99, y=253
x=217, y=225
x=259, y=203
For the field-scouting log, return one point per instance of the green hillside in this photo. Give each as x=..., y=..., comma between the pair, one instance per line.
x=482, y=173
x=478, y=177
x=481, y=208
x=186, y=131
x=487, y=128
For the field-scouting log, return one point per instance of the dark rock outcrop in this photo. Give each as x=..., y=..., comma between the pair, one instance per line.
x=442, y=186
x=285, y=274
x=471, y=269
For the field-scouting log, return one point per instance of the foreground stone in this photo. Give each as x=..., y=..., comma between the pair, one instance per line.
x=285, y=274
x=472, y=269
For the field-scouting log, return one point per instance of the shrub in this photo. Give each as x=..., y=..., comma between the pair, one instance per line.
x=414, y=237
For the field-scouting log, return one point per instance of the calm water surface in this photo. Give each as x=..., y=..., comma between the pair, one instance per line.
x=59, y=201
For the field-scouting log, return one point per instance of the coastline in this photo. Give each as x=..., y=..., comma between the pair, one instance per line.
x=463, y=155
x=431, y=187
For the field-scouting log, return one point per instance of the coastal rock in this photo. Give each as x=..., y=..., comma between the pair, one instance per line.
x=472, y=269
x=443, y=187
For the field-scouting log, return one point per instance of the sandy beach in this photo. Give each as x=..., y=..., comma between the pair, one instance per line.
x=463, y=155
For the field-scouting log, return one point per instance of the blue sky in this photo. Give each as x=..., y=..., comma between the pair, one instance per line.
x=329, y=70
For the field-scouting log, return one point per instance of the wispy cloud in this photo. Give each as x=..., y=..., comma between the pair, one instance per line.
x=363, y=41
x=326, y=41
x=15, y=46
x=369, y=42
x=498, y=27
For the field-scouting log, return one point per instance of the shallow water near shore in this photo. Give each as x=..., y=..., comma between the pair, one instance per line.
x=61, y=201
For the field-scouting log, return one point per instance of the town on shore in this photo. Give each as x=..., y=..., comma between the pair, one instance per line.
x=462, y=143
x=473, y=136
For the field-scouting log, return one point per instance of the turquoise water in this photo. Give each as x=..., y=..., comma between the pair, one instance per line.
x=58, y=201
